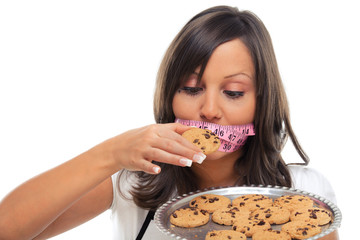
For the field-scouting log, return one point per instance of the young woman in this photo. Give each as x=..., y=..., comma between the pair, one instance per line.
x=221, y=69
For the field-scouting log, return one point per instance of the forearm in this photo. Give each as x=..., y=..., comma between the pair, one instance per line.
x=31, y=207
x=332, y=236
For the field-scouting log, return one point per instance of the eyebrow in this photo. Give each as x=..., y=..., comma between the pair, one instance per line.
x=236, y=74
x=230, y=76
x=196, y=73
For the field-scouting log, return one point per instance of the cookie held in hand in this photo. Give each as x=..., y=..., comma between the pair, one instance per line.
x=204, y=139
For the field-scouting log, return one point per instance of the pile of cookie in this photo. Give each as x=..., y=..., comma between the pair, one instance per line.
x=252, y=215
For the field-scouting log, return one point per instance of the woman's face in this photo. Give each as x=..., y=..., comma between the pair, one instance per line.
x=226, y=92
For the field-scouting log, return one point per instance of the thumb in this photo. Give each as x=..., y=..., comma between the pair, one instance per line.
x=179, y=128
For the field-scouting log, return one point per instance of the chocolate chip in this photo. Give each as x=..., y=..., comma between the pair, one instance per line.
x=297, y=213
x=174, y=215
x=195, y=140
x=207, y=136
x=313, y=215
x=203, y=211
x=268, y=215
x=261, y=223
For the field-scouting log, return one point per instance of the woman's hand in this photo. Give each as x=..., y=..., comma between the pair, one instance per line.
x=137, y=148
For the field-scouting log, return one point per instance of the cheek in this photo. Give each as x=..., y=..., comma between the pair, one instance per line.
x=182, y=108
x=241, y=113
x=251, y=109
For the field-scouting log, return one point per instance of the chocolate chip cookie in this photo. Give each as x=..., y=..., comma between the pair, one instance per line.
x=250, y=226
x=189, y=217
x=293, y=202
x=228, y=215
x=274, y=215
x=210, y=202
x=253, y=201
x=224, y=234
x=206, y=140
x=271, y=235
x=301, y=229
x=319, y=215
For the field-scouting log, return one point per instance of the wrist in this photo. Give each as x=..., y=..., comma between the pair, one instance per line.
x=104, y=158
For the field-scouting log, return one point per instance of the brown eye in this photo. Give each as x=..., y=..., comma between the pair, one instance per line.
x=191, y=90
x=234, y=94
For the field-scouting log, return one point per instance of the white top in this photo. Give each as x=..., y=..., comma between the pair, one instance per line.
x=128, y=218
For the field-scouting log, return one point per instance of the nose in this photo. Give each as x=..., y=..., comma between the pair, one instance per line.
x=210, y=109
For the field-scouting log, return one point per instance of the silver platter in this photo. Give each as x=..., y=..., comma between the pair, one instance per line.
x=163, y=213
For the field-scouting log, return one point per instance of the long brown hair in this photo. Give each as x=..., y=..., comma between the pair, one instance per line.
x=261, y=161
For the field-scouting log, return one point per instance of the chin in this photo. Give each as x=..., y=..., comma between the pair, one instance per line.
x=217, y=155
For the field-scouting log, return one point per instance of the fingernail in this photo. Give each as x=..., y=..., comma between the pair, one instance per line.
x=186, y=162
x=199, y=157
x=156, y=170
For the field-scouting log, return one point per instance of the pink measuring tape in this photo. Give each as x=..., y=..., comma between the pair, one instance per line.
x=232, y=137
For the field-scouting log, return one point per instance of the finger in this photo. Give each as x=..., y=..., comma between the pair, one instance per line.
x=148, y=167
x=175, y=135
x=180, y=128
x=190, y=151
x=160, y=155
x=178, y=148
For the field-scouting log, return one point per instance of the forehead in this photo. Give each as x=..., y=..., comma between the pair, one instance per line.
x=230, y=59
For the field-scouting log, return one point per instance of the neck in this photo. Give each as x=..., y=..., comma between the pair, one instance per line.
x=217, y=172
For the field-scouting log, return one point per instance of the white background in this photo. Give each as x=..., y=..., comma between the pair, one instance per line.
x=74, y=73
